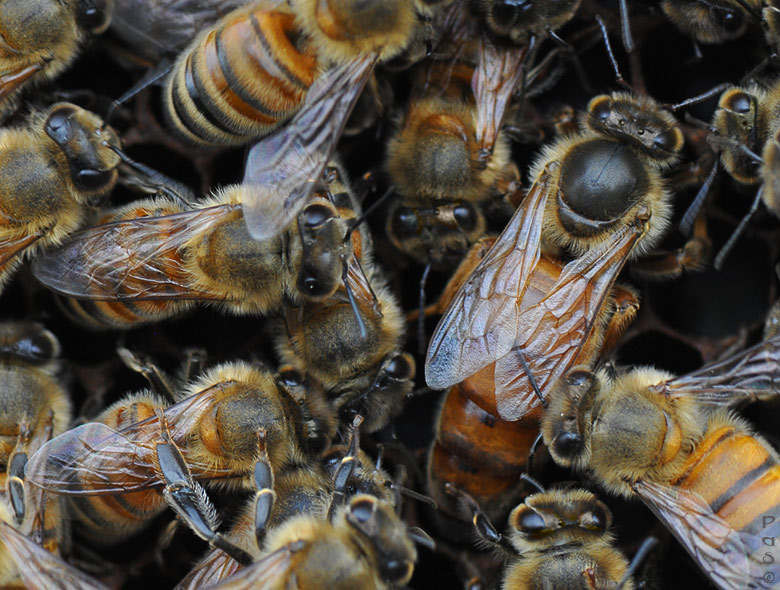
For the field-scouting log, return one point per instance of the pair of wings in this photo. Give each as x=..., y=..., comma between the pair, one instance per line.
x=490, y=321
x=94, y=459
x=732, y=559
x=137, y=260
x=41, y=570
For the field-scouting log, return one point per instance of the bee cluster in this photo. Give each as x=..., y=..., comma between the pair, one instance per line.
x=270, y=267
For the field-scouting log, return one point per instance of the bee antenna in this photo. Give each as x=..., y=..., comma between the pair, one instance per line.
x=352, y=302
x=729, y=245
x=409, y=493
x=418, y=392
x=528, y=479
x=150, y=78
x=531, y=377
x=618, y=76
x=421, y=344
x=374, y=206
x=529, y=464
x=639, y=557
x=686, y=223
x=625, y=27
x=422, y=538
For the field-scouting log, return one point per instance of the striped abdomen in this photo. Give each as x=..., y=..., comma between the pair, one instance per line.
x=241, y=79
x=737, y=474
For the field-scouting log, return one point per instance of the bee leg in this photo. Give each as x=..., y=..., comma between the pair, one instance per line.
x=485, y=529
x=692, y=256
x=189, y=501
x=346, y=467
x=625, y=307
x=194, y=363
x=16, y=465
x=265, y=495
x=140, y=363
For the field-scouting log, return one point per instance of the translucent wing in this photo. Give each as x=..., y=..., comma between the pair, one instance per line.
x=41, y=570
x=749, y=375
x=215, y=567
x=95, y=459
x=136, y=259
x=480, y=325
x=731, y=559
x=552, y=332
x=496, y=76
x=267, y=574
x=15, y=246
x=156, y=29
x=284, y=168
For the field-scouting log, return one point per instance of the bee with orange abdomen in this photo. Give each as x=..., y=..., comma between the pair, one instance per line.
x=598, y=197
x=51, y=170
x=540, y=300
x=41, y=38
x=674, y=443
x=151, y=260
x=248, y=74
x=307, y=62
x=474, y=447
x=109, y=469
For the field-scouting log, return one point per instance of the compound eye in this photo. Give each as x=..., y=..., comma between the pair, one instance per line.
x=740, y=102
x=602, y=109
x=362, y=510
x=567, y=444
x=595, y=519
x=315, y=215
x=58, y=125
x=394, y=570
x=291, y=377
x=93, y=16
x=466, y=217
x=91, y=180
x=665, y=141
x=508, y=11
x=399, y=368
x=405, y=222
x=529, y=521
x=729, y=20
x=38, y=348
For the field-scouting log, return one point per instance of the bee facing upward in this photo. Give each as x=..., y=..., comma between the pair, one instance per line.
x=599, y=197
x=41, y=38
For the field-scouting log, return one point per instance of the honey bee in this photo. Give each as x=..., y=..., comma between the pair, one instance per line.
x=710, y=21
x=674, y=443
x=51, y=170
x=746, y=131
x=598, y=195
x=362, y=545
x=558, y=539
x=474, y=448
x=434, y=162
x=35, y=407
x=308, y=489
x=104, y=467
x=308, y=61
x=41, y=38
x=37, y=567
x=152, y=260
